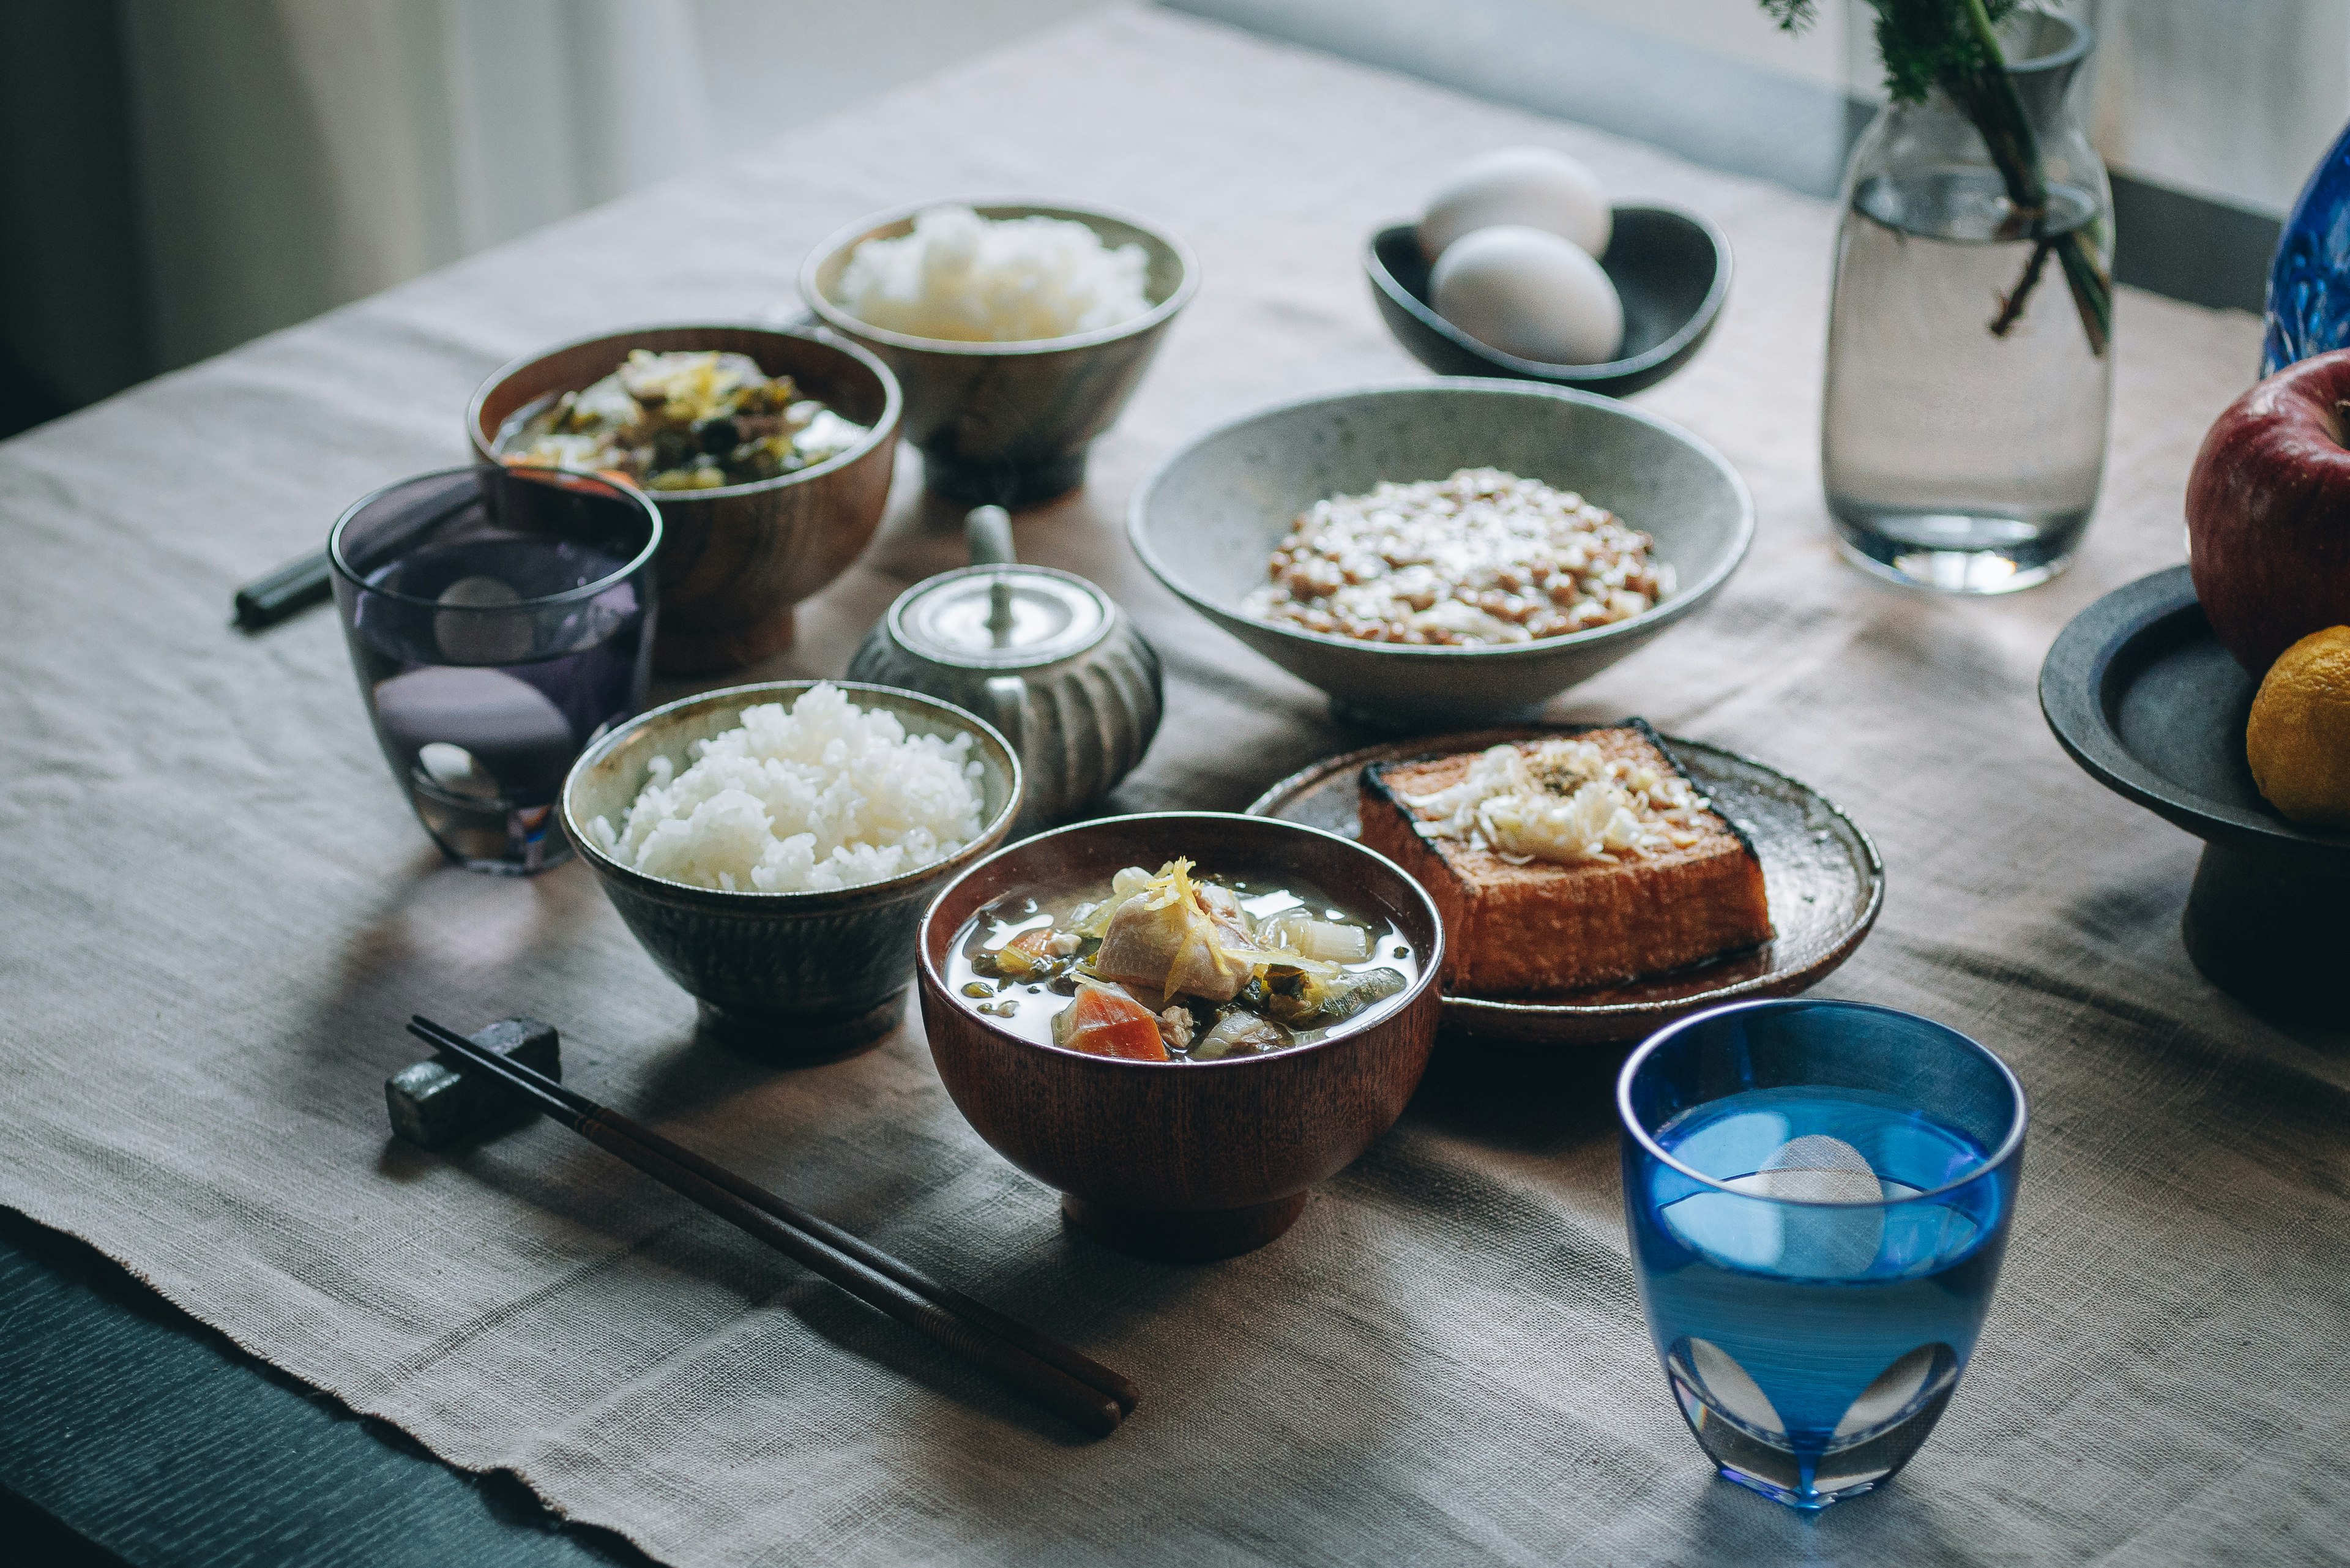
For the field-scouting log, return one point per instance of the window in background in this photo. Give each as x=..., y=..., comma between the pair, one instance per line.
x=182, y=175
x=290, y=155
x=2211, y=112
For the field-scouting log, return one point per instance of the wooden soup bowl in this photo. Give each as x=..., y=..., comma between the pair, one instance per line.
x=736, y=559
x=1185, y=1161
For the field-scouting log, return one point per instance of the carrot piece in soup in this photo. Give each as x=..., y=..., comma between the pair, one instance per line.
x=1106, y=1022
x=1024, y=952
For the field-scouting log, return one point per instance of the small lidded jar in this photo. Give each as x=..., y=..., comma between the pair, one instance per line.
x=1043, y=655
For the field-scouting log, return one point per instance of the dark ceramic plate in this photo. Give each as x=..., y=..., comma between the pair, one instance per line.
x=1670, y=267
x=1822, y=873
x=2144, y=698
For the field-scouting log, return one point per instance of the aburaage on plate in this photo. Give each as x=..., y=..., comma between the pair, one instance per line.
x=1569, y=862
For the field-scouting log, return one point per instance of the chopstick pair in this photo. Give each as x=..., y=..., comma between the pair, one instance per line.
x=1056, y=1376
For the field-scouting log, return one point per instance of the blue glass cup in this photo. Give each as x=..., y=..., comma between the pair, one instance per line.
x=501, y=620
x=1818, y=1195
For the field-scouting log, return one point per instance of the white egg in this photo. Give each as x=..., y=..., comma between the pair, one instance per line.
x=1528, y=291
x=1538, y=187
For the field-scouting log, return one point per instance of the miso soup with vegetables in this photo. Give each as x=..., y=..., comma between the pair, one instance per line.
x=1175, y=966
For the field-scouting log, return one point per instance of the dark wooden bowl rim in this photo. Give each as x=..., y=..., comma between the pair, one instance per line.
x=1431, y=964
x=485, y=442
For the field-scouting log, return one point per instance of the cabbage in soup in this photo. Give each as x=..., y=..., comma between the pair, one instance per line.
x=1174, y=966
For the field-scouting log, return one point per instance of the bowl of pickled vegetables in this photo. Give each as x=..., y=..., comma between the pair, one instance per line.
x=769, y=454
x=1182, y=1021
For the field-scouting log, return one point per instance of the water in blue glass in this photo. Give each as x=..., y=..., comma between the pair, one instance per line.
x=2309, y=282
x=1814, y=1318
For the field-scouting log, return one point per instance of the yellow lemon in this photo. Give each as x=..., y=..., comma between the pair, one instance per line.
x=2299, y=740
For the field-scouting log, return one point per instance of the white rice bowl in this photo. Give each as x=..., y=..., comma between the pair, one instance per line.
x=810, y=799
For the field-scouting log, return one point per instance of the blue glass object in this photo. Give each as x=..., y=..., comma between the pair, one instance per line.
x=1818, y=1195
x=2309, y=282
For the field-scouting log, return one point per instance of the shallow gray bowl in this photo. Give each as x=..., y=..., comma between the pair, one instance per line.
x=1011, y=422
x=1207, y=520
x=788, y=977
x=1671, y=268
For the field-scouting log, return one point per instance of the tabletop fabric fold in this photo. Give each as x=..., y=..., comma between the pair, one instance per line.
x=220, y=914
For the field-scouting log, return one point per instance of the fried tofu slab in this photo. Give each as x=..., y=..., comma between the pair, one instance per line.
x=1519, y=926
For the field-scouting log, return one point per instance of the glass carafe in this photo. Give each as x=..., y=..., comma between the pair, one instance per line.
x=1969, y=369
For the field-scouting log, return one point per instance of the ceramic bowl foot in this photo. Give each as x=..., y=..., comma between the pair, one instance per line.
x=796, y=1040
x=679, y=647
x=1378, y=721
x=1000, y=482
x=1184, y=1236
x=2271, y=930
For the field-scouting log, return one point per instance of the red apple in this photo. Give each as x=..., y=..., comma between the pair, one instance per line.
x=2268, y=512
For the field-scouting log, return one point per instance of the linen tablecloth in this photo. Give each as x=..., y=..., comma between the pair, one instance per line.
x=219, y=912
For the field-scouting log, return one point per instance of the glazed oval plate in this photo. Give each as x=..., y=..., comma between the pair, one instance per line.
x=1823, y=876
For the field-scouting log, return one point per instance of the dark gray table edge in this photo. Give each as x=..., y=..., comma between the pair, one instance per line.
x=147, y=1437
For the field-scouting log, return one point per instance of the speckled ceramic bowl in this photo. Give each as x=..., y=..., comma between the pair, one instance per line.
x=789, y=977
x=1206, y=521
x=1011, y=422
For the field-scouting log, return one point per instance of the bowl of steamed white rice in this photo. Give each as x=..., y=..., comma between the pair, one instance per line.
x=1018, y=331
x=772, y=848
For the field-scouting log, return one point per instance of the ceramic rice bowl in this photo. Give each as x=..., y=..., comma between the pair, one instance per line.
x=1011, y=422
x=788, y=977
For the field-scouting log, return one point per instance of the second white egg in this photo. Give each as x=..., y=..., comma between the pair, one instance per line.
x=1529, y=292
x=1540, y=187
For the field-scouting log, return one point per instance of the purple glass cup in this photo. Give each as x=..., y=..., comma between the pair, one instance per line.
x=500, y=621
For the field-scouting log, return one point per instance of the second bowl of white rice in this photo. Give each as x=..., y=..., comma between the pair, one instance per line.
x=773, y=846
x=1005, y=419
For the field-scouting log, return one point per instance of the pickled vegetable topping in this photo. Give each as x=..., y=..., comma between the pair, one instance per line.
x=681, y=422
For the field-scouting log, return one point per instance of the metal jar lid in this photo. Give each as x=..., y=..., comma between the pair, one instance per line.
x=1001, y=615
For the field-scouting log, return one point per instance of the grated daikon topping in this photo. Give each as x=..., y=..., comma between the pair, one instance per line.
x=1563, y=800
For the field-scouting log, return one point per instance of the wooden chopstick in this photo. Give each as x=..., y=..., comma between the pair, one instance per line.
x=1078, y=1364
x=1053, y=1374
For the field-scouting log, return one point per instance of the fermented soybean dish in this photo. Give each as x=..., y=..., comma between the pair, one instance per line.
x=1179, y=966
x=1482, y=559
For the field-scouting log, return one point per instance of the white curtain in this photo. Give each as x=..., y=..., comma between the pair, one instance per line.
x=298, y=153
x=295, y=154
